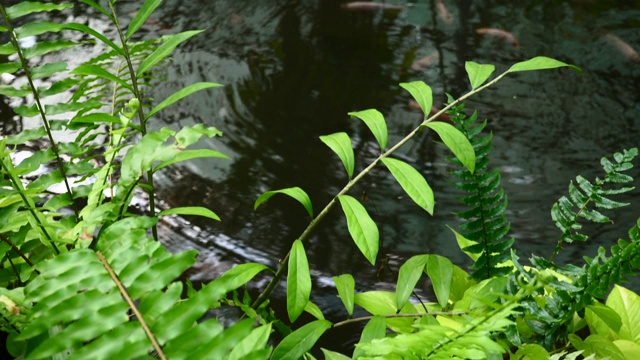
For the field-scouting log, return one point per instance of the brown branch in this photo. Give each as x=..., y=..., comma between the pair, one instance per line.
x=389, y=316
x=132, y=306
x=17, y=250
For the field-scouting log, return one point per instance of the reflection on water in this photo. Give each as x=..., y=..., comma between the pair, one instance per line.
x=293, y=69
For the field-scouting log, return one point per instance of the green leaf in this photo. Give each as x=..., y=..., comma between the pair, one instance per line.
x=181, y=94
x=27, y=7
x=478, y=73
x=190, y=210
x=629, y=349
x=408, y=276
x=164, y=50
x=363, y=230
x=10, y=67
x=237, y=276
x=375, y=121
x=383, y=303
x=332, y=355
x=376, y=328
x=191, y=154
x=413, y=183
x=294, y=192
x=627, y=305
x=97, y=7
x=95, y=70
x=256, y=340
x=541, y=63
x=314, y=310
x=346, y=290
x=463, y=242
x=143, y=14
x=607, y=315
x=298, y=281
x=531, y=352
x=456, y=142
x=300, y=341
x=340, y=143
x=440, y=271
x=95, y=118
x=422, y=93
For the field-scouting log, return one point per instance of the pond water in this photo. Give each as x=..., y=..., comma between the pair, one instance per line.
x=292, y=71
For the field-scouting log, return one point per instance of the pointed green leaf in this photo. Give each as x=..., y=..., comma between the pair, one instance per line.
x=27, y=7
x=46, y=47
x=190, y=210
x=463, y=242
x=294, y=192
x=413, y=183
x=478, y=73
x=630, y=349
x=93, y=118
x=143, y=14
x=376, y=328
x=408, y=276
x=422, y=93
x=298, y=281
x=376, y=123
x=191, y=154
x=181, y=94
x=237, y=276
x=362, y=228
x=164, y=50
x=94, y=5
x=332, y=355
x=10, y=67
x=300, y=341
x=607, y=315
x=440, y=271
x=87, y=30
x=314, y=310
x=256, y=340
x=346, y=290
x=95, y=70
x=626, y=304
x=340, y=143
x=541, y=63
x=456, y=142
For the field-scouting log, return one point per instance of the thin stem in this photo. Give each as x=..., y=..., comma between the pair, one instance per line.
x=141, y=116
x=312, y=225
x=17, y=250
x=132, y=306
x=389, y=316
x=45, y=122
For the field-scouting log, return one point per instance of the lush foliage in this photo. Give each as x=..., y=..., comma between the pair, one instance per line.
x=82, y=276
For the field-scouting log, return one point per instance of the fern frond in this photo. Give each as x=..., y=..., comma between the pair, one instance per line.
x=485, y=221
x=586, y=197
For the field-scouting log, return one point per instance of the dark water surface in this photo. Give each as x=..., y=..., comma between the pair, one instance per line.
x=293, y=70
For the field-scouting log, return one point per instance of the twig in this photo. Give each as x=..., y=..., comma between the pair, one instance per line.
x=17, y=250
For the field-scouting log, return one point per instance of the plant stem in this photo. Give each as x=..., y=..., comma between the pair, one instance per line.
x=17, y=250
x=45, y=122
x=143, y=122
x=312, y=225
x=389, y=316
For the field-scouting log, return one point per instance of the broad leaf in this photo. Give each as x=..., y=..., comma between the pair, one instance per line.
x=627, y=305
x=607, y=315
x=376, y=328
x=413, y=183
x=346, y=290
x=422, y=93
x=456, y=142
x=384, y=303
x=164, y=50
x=191, y=154
x=298, y=281
x=256, y=340
x=300, y=341
x=478, y=73
x=408, y=276
x=362, y=228
x=463, y=243
x=181, y=94
x=143, y=14
x=541, y=63
x=440, y=271
x=190, y=210
x=340, y=143
x=332, y=355
x=294, y=192
x=375, y=121
x=314, y=310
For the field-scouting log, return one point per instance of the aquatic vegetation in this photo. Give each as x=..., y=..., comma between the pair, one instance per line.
x=84, y=277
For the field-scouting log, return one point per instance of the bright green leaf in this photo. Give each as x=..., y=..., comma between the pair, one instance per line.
x=256, y=340
x=340, y=143
x=408, y=276
x=190, y=210
x=181, y=94
x=376, y=123
x=422, y=93
x=346, y=290
x=376, y=328
x=608, y=315
x=531, y=352
x=541, y=63
x=314, y=310
x=93, y=118
x=629, y=349
x=384, y=303
x=298, y=281
x=164, y=50
x=478, y=73
x=191, y=154
x=300, y=341
x=294, y=192
x=95, y=70
x=626, y=304
x=413, y=183
x=141, y=16
x=27, y=7
x=362, y=228
x=456, y=142
x=332, y=355
x=440, y=271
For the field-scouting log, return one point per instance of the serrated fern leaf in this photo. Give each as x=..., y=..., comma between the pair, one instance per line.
x=485, y=220
x=585, y=197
